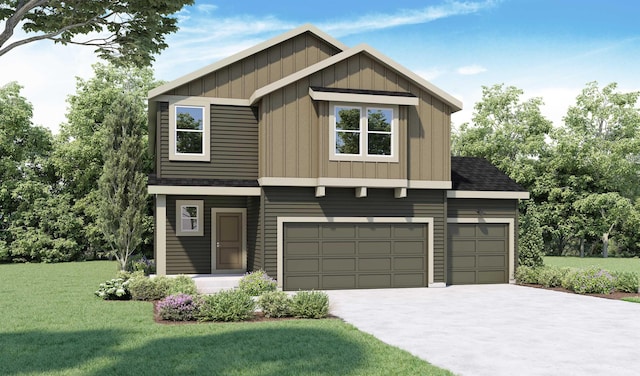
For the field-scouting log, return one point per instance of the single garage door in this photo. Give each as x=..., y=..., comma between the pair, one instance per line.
x=354, y=255
x=478, y=253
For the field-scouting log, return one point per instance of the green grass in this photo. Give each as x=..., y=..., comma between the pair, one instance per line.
x=51, y=323
x=631, y=299
x=610, y=264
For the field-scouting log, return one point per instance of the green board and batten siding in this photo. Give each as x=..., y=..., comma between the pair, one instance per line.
x=479, y=252
x=341, y=202
x=234, y=146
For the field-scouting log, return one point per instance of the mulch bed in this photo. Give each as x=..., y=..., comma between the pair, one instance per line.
x=616, y=295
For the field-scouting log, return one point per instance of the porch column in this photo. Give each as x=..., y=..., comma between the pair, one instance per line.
x=161, y=235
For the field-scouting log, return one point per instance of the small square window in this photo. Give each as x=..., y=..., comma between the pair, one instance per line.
x=189, y=218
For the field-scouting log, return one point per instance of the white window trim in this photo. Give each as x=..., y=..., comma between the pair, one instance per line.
x=199, y=204
x=206, y=134
x=364, y=134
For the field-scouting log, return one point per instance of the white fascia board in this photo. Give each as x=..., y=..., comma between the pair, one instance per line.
x=246, y=53
x=203, y=191
x=504, y=195
x=429, y=184
x=363, y=98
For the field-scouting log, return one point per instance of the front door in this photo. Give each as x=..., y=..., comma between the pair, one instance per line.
x=228, y=241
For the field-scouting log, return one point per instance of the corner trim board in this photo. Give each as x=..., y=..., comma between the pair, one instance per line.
x=161, y=232
x=512, y=237
x=203, y=191
x=429, y=221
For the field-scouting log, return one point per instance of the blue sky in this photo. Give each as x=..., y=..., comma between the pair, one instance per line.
x=548, y=48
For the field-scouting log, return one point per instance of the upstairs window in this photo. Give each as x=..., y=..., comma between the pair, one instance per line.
x=189, y=130
x=364, y=133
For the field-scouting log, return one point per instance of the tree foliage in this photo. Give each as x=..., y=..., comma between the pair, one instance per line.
x=123, y=185
x=127, y=32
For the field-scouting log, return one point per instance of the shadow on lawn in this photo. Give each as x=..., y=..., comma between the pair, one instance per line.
x=247, y=351
x=46, y=351
x=258, y=350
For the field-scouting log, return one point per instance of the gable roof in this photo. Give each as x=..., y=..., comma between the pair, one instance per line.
x=246, y=53
x=477, y=174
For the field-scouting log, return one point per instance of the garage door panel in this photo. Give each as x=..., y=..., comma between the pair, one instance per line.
x=338, y=265
x=463, y=261
x=409, y=248
x=409, y=231
x=310, y=282
x=492, y=246
x=496, y=276
x=302, y=265
x=462, y=230
x=462, y=277
x=303, y=248
x=330, y=282
x=374, y=281
x=331, y=248
x=375, y=231
x=355, y=255
x=374, y=264
x=302, y=230
x=463, y=246
x=338, y=231
x=493, y=229
x=497, y=261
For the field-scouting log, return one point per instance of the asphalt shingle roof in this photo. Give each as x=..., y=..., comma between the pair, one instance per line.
x=477, y=174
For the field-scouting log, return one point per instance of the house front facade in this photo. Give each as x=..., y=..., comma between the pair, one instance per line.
x=328, y=167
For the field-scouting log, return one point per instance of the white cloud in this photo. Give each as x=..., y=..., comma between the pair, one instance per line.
x=379, y=21
x=430, y=74
x=557, y=101
x=470, y=70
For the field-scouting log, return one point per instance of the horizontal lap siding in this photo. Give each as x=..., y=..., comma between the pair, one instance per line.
x=240, y=79
x=234, y=146
x=474, y=208
x=192, y=254
x=301, y=202
x=254, y=254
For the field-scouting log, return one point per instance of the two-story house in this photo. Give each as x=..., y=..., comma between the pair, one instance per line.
x=328, y=167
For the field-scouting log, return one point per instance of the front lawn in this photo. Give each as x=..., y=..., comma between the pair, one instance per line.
x=51, y=323
x=610, y=264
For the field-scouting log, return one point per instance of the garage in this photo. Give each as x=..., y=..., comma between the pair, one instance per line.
x=478, y=253
x=346, y=255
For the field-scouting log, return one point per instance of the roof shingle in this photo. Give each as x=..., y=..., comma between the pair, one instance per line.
x=477, y=174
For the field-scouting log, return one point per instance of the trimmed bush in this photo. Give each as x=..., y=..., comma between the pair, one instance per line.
x=182, y=284
x=180, y=307
x=275, y=304
x=552, y=276
x=145, y=288
x=591, y=280
x=310, y=305
x=257, y=282
x=226, y=305
x=527, y=274
x=114, y=289
x=626, y=282
x=530, y=240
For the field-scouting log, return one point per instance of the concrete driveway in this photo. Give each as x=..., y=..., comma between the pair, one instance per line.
x=500, y=329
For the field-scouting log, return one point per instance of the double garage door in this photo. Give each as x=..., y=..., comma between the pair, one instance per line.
x=478, y=253
x=354, y=255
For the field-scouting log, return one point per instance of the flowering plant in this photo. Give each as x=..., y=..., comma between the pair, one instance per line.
x=180, y=307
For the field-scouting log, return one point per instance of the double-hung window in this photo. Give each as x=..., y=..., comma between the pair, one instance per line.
x=189, y=130
x=361, y=132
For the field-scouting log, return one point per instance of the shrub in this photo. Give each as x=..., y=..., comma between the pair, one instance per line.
x=626, y=282
x=140, y=263
x=226, y=305
x=275, y=304
x=552, y=276
x=527, y=274
x=530, y=241
x=310, y=305
x=182, y=284
x=257, y=282
x=145, y=288
x=591, y=280
x=114, y=289
x=180, y=307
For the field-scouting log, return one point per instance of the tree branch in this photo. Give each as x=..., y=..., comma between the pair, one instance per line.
x=22, y=8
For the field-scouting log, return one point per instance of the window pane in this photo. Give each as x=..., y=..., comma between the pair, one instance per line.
x=189, y=142
x=379, y=119
x=189, y=224
x=379, y=144
x=347, y=119
x=347, y=143
x=189, y=117
x=189, y=212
